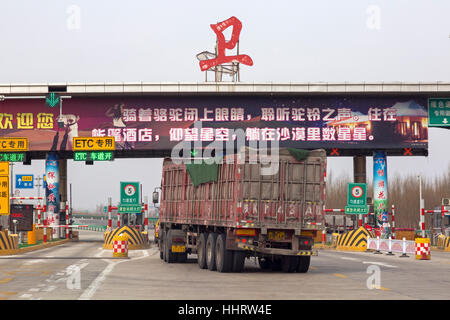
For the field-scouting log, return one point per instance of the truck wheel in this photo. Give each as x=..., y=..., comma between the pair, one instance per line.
x=238, y=261
x=224, y=257
x=201, y=251
x=170, y=256
x=161, y=252
x=289, y=263
x=303, y=264
x=163, y=246
x=265, y=263
x=211, y=251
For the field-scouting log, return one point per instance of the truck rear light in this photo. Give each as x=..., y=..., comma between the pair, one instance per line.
x=246, y=232
x=306, y=242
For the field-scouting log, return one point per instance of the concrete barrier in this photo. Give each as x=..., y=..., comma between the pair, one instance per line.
x=355, y=240
x=443, y=243
x=136, y=239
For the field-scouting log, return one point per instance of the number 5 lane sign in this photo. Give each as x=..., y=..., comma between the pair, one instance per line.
x=129, y=193
x=356, y=199
x=129, y=197
x=356, y=194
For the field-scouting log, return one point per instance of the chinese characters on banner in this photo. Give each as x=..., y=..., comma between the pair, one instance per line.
x=52, y=190
x=380, y=187
x=161, y=122
x=305, y=116
x=26, y=120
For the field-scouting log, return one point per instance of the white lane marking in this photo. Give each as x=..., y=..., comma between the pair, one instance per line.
x=351, y=259
x=49, y=289
x=90, y=291
x=380, y=264
x=27, y=263
x=26, y=296
x=34, y=289
x=100, y=253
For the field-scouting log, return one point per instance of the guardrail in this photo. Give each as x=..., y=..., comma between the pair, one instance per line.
x=389, y=245
x=94, y=228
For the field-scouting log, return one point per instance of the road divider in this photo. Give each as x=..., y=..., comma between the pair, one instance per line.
x=390, y=245
x=120, y=246
x=136, y=239
x=9, y=243
x=355, y=240
x=423, y=249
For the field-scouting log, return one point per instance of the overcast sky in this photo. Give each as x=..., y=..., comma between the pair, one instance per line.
x=289, y=41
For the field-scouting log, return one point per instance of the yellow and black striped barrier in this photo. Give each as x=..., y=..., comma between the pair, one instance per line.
x=9, y=243
x=443, y=243
x=136, y=239
x=355, y=240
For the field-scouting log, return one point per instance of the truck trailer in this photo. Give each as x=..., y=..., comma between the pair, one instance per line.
x=229, y=211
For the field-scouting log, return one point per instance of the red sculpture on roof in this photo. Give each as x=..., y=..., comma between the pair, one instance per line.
x=222, y=45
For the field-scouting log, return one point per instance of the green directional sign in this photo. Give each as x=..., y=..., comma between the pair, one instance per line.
x=52, y=99
x=93, y=156
x=12, y=156
x=129, y=209
x=356, y=209
x=129, y=193
x=439, y=112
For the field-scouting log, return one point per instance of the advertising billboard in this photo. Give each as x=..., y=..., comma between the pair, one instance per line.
x=160, y=122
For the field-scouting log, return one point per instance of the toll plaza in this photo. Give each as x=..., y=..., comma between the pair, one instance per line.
x=105, y=122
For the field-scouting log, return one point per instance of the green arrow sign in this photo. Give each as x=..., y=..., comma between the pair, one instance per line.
x=439, y=112
x=356, y=209
x=52, y=99
x=130, y=209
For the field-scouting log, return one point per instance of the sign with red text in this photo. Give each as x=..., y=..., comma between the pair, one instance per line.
x=23, y=213
x=148, y=123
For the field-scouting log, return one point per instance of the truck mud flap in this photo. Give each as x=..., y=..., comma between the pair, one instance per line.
x=283, y=252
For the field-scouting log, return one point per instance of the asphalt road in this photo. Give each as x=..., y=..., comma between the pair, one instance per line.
x=83, y=270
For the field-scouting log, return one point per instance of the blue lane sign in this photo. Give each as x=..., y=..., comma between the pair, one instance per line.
x=24, y=181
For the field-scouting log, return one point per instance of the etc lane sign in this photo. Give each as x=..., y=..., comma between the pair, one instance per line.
x=93, y=144
x=439, y=112
x=93, y=148
x=13, y=144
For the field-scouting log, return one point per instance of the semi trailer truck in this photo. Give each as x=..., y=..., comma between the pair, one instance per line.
x=229, y=211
